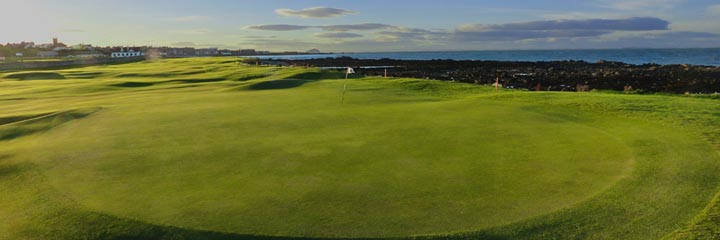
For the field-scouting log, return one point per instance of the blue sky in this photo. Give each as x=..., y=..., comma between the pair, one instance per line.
x=368, y=25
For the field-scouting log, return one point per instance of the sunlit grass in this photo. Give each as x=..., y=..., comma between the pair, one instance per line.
x=210, y=148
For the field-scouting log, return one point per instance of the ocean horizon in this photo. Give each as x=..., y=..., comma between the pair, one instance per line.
x=637, y=56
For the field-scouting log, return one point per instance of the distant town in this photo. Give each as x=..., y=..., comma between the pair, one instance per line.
x=56, y=49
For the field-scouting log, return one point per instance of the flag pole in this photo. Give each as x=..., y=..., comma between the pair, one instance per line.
x=342, y=100
x=497, y=84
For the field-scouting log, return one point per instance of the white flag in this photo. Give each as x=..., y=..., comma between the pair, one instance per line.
x=350, y=70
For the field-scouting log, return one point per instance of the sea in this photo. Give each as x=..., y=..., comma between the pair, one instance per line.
x=695, y=56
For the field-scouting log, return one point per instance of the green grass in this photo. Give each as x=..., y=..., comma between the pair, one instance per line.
x=209, y=148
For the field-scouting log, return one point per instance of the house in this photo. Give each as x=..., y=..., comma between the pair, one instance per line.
x=82, y=47
x=127, y=54
x=47, y=54
x=86, y=54
x=44, y=46
x=206, y=52
x=2, y=58
x=247, y=52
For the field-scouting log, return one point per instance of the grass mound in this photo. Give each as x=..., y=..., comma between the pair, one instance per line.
x=29, y=124
x=400, y=158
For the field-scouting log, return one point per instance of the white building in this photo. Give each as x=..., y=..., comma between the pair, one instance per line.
x=47, y=54
x=124, y=54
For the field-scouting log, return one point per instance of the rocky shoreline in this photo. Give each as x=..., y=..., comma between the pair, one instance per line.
x=540, y=76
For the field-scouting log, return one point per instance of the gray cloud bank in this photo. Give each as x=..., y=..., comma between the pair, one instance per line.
x=334, y=28
x=338, y=35
x=576, y=33
x=557, y=29
x=628, y=24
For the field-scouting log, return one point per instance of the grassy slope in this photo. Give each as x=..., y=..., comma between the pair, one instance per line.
x=671, y=183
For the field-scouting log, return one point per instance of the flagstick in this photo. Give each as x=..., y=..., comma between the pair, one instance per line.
x=342, y=100
x=497, y=84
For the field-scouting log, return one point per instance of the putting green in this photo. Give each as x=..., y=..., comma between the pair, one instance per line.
x=233, y=162
x=277, y=154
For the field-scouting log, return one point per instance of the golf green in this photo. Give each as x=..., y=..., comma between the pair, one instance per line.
x=275, y=153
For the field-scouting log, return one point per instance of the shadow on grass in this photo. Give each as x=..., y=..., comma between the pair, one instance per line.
x=12, y=119
x=145, y=75
x=36, y=76
x=205, y=80
x=250, y=77
x=278, y=84
x=28, y=126
x=86, y=75
x=7, y=170
x=319, y=75
x=132, y=84
x=110, y=227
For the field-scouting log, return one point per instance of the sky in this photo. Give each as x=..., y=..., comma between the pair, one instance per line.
x=367, y=25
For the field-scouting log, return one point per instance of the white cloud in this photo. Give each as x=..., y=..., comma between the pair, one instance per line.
x=337, y=35
x=315, y=12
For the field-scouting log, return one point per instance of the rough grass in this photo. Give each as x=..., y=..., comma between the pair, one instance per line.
x=189, y=149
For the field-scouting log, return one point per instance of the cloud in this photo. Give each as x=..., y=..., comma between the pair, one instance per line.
x=315, y=12
x=667, y=39
x=687, y=35
x=628, y=24
x=357, y=27
x=332, y=28
x=258, y=37
x=713, y=10
x=504, y=35
x=338, y=35
x=277, y=27
x=629, y=5
x=193, y=18
x=334, y=46
x=542, y=34
x=556, y=29
x=411, y=34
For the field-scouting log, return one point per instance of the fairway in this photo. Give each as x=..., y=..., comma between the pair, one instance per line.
x=211, y=148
